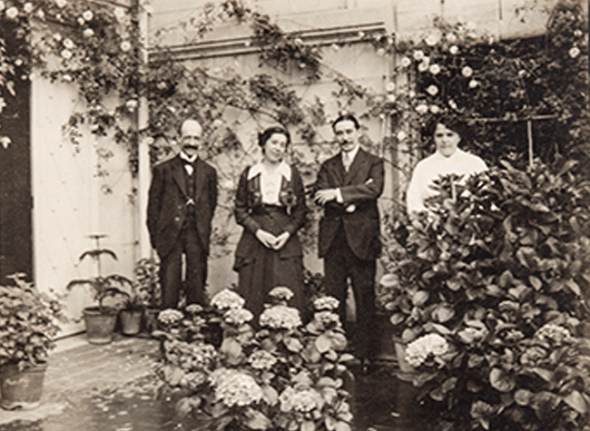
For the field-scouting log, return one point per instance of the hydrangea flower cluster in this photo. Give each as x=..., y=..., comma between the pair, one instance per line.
x=420, y=350
x=194, y=309
x=326, y=303
x=235, y=388
x=203, y=355
x=327, y=318
x=170, y=316
x=227, y=299
x=281, y=293
x=192, y=381
x=262, y=360
x=303, y=401
x=554, y=333
x=281, y=317
x=237, y=316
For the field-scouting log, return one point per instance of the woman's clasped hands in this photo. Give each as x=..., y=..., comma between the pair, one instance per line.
x=270, y=241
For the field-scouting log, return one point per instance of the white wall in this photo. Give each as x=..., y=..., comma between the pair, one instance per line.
x=70, y=200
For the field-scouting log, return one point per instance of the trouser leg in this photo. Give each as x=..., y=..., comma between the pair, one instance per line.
x=170, y=267
x=196, y=268
x=336, y=272
x=363, y=282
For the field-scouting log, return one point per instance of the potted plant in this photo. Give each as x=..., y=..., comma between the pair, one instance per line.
x=148, y=284
x=500, y=275
x=28, y=323
x=100, y=320
x=132, y=311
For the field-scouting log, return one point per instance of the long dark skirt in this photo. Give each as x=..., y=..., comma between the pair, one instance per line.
x=263, y=271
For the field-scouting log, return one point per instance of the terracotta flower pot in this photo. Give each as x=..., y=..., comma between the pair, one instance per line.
x=406, y=371
x=130, y=321
x=21, y=389
x=100, y=326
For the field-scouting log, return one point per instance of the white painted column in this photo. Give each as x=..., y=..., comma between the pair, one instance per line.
x=144, y=171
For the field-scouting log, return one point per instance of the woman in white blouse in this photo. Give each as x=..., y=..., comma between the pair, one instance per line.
x=270, y=205
x=447, y=132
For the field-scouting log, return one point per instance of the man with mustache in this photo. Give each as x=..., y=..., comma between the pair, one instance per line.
x=348, y=186
x=182, y=200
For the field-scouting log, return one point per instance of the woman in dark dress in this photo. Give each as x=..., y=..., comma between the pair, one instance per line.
x=270, y=205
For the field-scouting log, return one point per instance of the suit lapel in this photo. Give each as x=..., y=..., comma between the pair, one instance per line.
x=200, y=179
x=178, y=174
x=354, y=167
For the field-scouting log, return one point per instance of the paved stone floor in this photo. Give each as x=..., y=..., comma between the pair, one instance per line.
x=112, y=387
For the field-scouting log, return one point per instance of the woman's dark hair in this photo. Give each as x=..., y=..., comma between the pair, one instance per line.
x=452, y=122
x=265, y=136
x=346, y=117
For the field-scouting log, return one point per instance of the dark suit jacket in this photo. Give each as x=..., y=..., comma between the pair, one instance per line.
x=250, y=214
x=167, y=205
x=360, y=187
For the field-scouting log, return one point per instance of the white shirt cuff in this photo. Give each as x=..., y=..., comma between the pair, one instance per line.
x=339, y=196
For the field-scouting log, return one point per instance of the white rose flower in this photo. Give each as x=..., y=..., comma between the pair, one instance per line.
x=41, y=14
x=28, y=7
x=432, y=39
x=423, y=66
x=18, y=62
x=67, y=78
x=87, y=15
x=432, y=90
x=119, y=13
x=88, y=32
x=418, y=55
x=473, y=83
x=454, y=50
x=422, y=109
x=12, y=13
x=412, y=94
x=68, y=43
x=405, y=61
x=434, y=109
x=578, y=33
x=574, y=52
x=467, y=72
x=125, y=46
x=390, y=87
x=434, y=69
x=66, y=53
x=57, y=36
x=390, y=98
x=81, y=21
x=61, y=3
x=131, y=104
x=401, y=135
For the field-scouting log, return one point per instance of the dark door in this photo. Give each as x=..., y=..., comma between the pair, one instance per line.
x=15, y=173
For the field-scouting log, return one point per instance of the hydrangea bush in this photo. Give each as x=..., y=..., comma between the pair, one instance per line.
x=492, y=299
x=286, y=375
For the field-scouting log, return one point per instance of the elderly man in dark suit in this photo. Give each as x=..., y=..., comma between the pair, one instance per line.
x=348, y=186
x=182, y=200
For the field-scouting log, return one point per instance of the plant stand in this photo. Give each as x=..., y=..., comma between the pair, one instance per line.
x=130, y=321
x=21, y=389
x=100, y=326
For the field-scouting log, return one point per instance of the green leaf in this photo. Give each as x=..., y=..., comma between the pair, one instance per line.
x=323, y=343
x=307, y=426
x=502, y=380
x=293, y=344
x=577, y=402
x=270, y=395
x=535, y=282
x=257, y=420
x=232, y=350
x=420, y=298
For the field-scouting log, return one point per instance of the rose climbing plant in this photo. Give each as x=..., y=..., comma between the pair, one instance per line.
x=285, y=375
x=493, y=299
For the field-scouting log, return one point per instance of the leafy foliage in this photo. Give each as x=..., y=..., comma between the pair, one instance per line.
x=29, y=320
x=284, y=376
x=501, y=270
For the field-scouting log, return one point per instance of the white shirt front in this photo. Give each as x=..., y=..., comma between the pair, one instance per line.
x=270, y=181
x=435, y=166
x=189, y=169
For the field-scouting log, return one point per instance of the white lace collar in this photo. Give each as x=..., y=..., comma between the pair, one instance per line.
x=284, y=169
